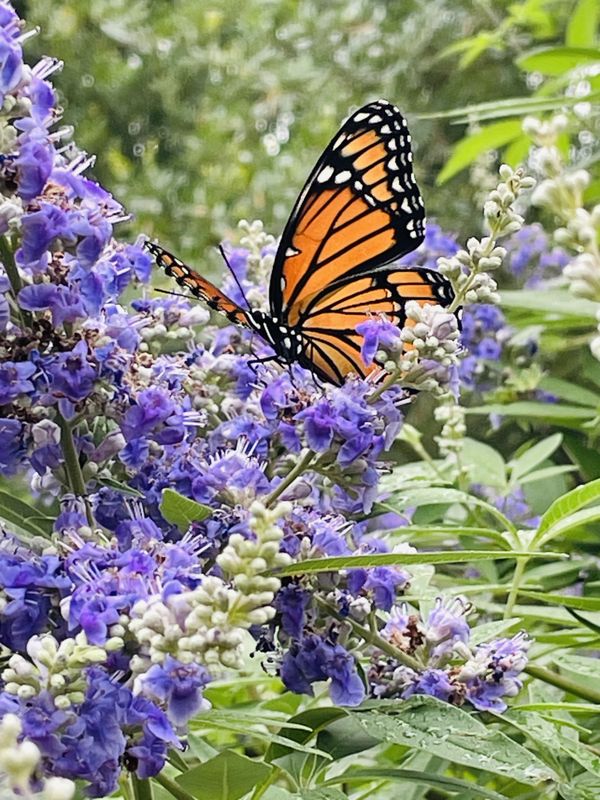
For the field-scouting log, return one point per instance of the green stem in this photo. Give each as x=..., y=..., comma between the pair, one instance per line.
x=260, y=790
x=72, y=466
x=385, y=384
x=294, y=473
x=141, y=787
x=566, y=684
x=372, y=638
x=516, y=585
x=8, y=259
x=173, y=788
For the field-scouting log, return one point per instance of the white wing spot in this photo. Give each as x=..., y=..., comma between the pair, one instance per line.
x=392, y=144
x=385, y=129
x=341, y=177
x=291, y=251
x=370, y=200
x=287, y=343
x=392, y=163
x=410, y=225
x=325, y=174
x=375, y=118
x=358, y=186
x=360, y=116
x=396, y=185
x=405, y=206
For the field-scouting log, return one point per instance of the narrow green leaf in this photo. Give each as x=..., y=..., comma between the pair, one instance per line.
x=451, y=733
x=578, y=498
x=534, y=455
x=413, y=776
x=582, y=27
x=510, y=106
x=24, y=516
x=550, y=302
x=415, y=497
x=449, y=532
x=557, y=60
x=582, y=666
x=537, y=410
x=492, y=630
x=228, y=776
x=567, y=600
x=547, y=472
x=467, y=150
x=337, y=563
x=181, y=511
x=567, y=390
x=119, y=486
x=571, y=708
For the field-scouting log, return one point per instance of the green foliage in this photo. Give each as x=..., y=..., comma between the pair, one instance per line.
x=180, y=510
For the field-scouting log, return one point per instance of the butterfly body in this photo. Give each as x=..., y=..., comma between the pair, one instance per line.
x=359, y=212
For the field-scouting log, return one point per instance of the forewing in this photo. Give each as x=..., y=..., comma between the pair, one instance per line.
x=360, y=209
x=198, y=286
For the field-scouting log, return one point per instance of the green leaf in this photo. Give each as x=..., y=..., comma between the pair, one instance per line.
x=413, y=776
x=337, y=563
x=582, y=27
x=550, y=302
x=508, y=107
x=438, y=728
x=566, y=505
x=571, y=708
x=581, y=666
x=321, y=794
x=228, y=776
x=25, y=517
x=344, y=737
x=118, y=486
x=416, y=497
x=310, y=722
x=485, y=464
x=450, y=531
x=467, y=150
x=557, y=60
x=567, y=390
x=536, y=410
x=535, y=455
x=567, y=600
x=492, y=630
x=547, y=472
x=181, y=511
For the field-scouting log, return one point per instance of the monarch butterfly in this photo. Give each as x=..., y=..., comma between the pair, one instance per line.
x=359, y=210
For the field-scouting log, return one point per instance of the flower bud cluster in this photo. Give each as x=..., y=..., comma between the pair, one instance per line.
x=432, y=337
x=467, y=270
x=260, y=259
x=206, y=625
x=18, y=766
x=451, y=438
x=562, y=193
x=53, y=667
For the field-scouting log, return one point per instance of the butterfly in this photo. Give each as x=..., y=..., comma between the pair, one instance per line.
x=359, y=211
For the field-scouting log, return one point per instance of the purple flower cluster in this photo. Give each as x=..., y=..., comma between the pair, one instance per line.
x=90, y=740
x=448, y=668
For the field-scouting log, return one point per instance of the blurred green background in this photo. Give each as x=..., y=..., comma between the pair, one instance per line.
x=202, y=113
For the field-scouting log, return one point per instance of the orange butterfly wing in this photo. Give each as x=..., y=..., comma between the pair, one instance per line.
x=199, y=286
x=332, y=347
x=360, y=209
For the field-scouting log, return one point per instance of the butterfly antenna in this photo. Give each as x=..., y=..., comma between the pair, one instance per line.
x=176, y=294
x=235, y=277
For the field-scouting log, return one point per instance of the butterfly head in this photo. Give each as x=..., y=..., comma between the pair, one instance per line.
x=285, y=340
